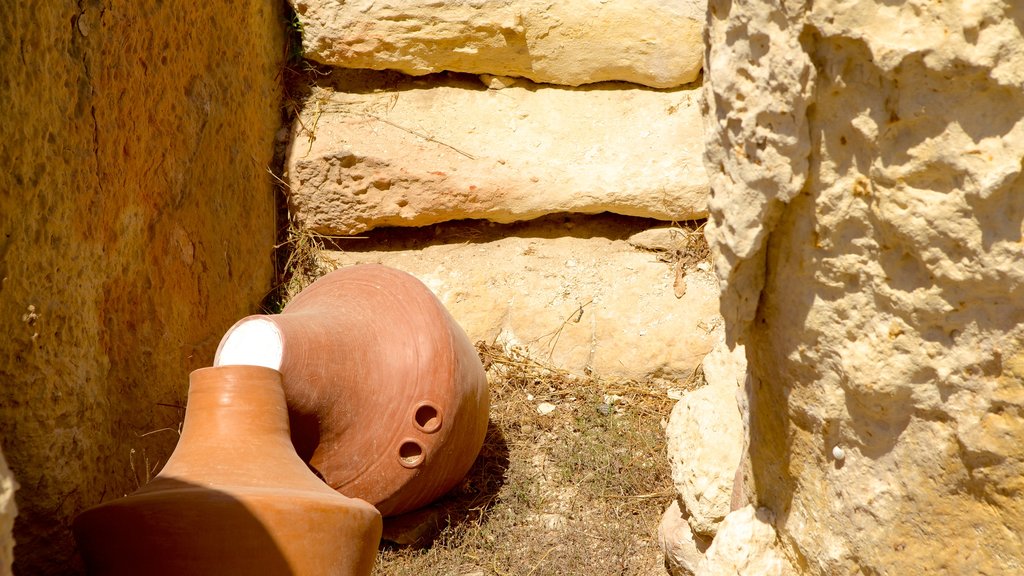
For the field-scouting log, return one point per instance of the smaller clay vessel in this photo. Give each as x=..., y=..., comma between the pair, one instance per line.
x=387, y=396
x=234, y=497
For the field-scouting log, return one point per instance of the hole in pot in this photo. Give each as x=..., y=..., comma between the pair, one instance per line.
x=428, y=418
x=410, y=454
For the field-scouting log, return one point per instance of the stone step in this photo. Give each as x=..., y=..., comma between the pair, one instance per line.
x=571, y=291
x=378, y=149
x=570, y=42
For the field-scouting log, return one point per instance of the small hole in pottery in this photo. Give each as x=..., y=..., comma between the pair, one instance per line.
x=428, y=418
x=410, y=454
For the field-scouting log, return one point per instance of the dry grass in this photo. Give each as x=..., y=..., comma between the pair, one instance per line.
x=689, y=248
x=576, y=491
x=304, y=263
x=688, y=251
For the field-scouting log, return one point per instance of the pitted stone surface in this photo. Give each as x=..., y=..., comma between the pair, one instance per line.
x=868, y=204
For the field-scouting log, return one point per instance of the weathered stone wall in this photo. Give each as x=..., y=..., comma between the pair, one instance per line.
x=867, y=203
x=136, y=224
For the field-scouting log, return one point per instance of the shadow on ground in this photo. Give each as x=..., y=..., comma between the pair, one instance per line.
x=469, y=502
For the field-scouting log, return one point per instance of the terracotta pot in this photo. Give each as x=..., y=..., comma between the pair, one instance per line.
x=387, y=396
x=234, y=497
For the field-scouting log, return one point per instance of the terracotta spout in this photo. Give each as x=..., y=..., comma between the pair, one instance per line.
x=234, y=498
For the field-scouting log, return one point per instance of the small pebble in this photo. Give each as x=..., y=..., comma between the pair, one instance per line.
x=838, y=453
x=545, y=408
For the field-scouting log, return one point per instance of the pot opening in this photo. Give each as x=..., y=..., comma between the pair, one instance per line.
x=254, y=342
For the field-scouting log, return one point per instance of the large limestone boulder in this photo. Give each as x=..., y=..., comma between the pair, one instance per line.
x=868, y=204
x=137, y=223
x=571, y=42
x=8, y=511
x=746, y=545
x=705, y=441
x=571, y=291
x=405, y=152
x=683, y=549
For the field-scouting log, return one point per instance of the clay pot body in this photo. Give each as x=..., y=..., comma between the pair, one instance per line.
x=233, y=498
x=387, y=396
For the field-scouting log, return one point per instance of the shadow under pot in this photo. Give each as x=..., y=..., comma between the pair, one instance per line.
x=387, y=397
x=233, y=498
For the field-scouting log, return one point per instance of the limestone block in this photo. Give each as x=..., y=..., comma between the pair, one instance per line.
x=705, y=441
x=570, y=42
x=746, y=544
x=137, y=221
x=886, y=331
x=8, y=512
x=572, y=291
x=418, y=152
x=682, y=548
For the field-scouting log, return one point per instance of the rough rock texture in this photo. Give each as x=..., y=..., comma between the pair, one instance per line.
x=746, y=545
x=8, y=512
x=868, y=204
x=682, y=548
x=405, y=152
x=136, y=224
x=571, y=42
x=570, y=290
x=705, y=441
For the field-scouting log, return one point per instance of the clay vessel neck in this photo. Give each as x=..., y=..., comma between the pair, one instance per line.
x=241, y=400
x=236, y=425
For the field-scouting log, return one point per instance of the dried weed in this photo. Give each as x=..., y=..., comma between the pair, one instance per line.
x=690, y=247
